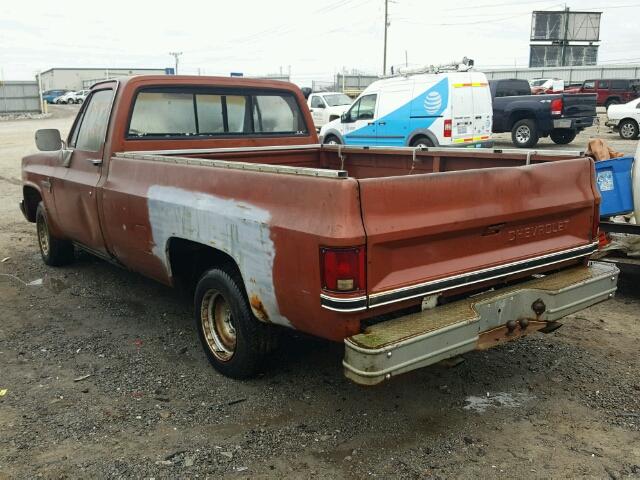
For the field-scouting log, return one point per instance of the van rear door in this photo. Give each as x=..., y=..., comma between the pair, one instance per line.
x=461, y=108
x=482, y=107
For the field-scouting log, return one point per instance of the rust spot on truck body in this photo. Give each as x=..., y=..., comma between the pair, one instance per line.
x=258, y=308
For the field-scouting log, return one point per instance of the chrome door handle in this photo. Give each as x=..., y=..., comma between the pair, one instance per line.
x=371, y=123
x=95, y=161
x=382, y=123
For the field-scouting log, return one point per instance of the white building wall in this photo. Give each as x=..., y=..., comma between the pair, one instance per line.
x=79, y=78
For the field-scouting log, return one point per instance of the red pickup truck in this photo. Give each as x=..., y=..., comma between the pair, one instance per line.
x=407, y=256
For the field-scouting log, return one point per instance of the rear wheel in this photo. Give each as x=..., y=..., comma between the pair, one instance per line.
x=54, y=251
x=422, y=141
x=332, y=140
x=524, y=133
x=235, y=342
x=563, y=136
x=628, y=129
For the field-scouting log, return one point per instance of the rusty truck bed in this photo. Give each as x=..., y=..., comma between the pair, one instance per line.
x=433, y=222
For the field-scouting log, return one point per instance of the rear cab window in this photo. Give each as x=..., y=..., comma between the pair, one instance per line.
x=187, y=112
x=512, y=88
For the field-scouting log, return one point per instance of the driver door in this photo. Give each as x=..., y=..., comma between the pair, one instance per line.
x=75, y=192
x=318, y=109
x=359, y=123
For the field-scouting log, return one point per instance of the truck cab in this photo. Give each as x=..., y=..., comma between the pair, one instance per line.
x=327, y=106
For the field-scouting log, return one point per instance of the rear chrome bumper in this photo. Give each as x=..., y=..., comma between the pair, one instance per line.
x=417, y=340
x=573, y=123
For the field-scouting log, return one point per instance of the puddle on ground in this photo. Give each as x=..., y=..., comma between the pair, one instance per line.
x=496, y=400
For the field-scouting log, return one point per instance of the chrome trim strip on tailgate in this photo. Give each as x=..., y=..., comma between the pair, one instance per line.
x=464, y=279
x=338, y=304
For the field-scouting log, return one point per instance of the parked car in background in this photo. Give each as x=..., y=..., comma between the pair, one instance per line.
x=429, y=110
x=327, y=106
x=541, y=86
x=49, y=96
x=610, y=91
x=72, y=97
x=625, y=119
x=530, y=117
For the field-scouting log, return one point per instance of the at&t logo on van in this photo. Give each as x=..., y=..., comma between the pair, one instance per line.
x=432, y=102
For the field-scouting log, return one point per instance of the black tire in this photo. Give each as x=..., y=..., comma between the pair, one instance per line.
x=79, y=101
x=54, y=251
x=628, y=129
x=422, y=140
x=524, y=133
x=563, y=136
x=235, y=342
x=611, y=101
x=332, y=140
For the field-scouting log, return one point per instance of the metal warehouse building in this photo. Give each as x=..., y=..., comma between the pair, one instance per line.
x=79, y=78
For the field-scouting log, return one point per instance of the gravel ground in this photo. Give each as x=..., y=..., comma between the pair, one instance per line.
x=105, y=378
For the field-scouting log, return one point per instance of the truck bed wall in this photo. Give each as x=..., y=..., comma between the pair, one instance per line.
x=375, y=163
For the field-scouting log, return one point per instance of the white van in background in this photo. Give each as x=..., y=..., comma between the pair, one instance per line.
x=432, y=109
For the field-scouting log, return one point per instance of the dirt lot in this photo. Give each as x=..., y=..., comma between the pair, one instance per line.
x=563, y=405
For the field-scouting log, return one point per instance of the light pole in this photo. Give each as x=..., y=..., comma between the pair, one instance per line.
x=386, y=25
x=176, y=55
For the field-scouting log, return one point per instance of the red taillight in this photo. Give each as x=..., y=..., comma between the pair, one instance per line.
x=342, y=269
x=556, y=106
x=447, y=128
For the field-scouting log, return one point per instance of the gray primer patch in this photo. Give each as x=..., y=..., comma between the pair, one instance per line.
x=239, y=229
x=498, y=400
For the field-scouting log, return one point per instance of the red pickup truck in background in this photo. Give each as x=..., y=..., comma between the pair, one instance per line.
x=407, y=256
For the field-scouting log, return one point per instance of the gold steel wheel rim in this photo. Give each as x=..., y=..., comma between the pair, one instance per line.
x=217, y=325
x=43, y=236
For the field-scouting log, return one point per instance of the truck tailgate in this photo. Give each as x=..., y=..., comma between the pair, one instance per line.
x=438, y=232
x=579, y=105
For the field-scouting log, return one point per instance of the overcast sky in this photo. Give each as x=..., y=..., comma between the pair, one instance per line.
x=316, y=39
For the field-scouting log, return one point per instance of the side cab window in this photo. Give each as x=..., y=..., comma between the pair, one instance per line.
x=91, y=127
x=317, y=102
x=363, y=109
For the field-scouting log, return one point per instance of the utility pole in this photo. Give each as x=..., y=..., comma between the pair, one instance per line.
x=563, y=61
x=176, y=55
x=386, y=25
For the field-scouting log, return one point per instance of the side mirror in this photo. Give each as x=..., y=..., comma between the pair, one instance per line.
x=48, y=139
x=344, y=118
x=321, y=106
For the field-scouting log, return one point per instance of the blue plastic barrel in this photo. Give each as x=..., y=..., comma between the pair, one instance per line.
x=614, y=182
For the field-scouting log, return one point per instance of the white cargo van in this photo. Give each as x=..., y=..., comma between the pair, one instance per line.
x=433, y=109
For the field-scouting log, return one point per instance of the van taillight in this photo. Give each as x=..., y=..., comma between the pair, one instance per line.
x=343, y=269
x=447, y=128
x=556, y=106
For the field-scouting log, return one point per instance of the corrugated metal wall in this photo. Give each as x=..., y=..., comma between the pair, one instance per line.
x=568, y=74
x=19, y=97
